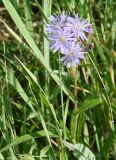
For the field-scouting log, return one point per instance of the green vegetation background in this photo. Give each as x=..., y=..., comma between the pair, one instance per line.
x=36, y=92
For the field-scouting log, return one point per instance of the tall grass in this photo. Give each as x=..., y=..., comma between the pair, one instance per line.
x=36, y=98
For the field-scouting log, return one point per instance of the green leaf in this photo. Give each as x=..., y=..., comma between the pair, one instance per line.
x=15, y=83
x=1, y=157
x=28, y=16
x=90, y=102
x=81, y=119
x=12, y=32
x=26, y=137
x=108, y=144
x=41, y=10
x=44, y=151
x=82, y=2
x=83, y=153
x=80, y=151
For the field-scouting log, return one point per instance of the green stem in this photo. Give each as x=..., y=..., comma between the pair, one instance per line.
x=75, y=104
x=63, y=155
x=46, y=10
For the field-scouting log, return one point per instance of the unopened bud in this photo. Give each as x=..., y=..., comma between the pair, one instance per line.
x=91, y=46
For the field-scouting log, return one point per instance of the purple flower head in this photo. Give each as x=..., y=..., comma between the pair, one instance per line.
x=78, y=27
x=73, y=55
x=56, y=22
x=60, y=41
x=69, y=36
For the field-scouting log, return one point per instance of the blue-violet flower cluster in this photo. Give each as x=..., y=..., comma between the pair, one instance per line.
x=69, y=35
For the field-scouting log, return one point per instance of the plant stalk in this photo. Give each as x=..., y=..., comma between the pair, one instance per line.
x=75, y=104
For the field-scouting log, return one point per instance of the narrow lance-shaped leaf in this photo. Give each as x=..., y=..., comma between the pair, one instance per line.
x=26, y=137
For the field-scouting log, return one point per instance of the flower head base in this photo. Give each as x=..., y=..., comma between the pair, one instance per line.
x=69, y=35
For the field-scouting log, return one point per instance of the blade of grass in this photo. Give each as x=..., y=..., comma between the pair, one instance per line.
x=15, y=83
x=28, y=16
x=108, y=99
x=26, y=137
x=41, y=10
x=42, y=93
x=46, y=8
x=8, y=119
